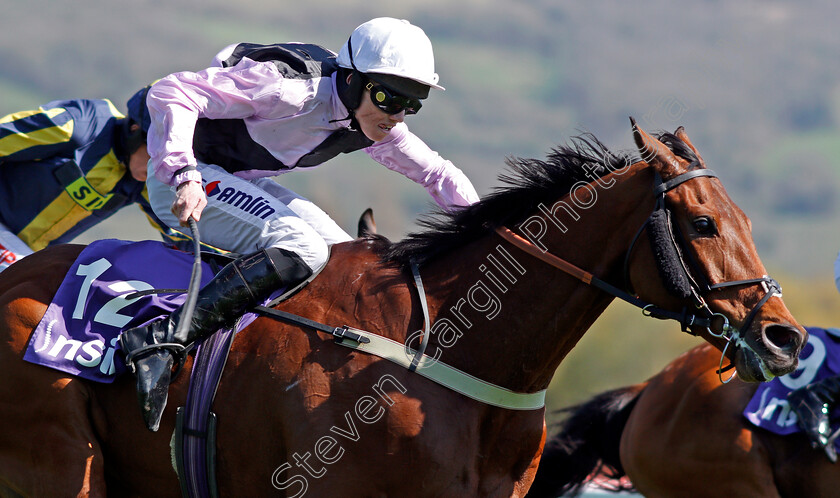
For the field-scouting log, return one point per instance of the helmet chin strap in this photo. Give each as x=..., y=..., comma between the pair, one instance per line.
x=350, y=92
x=354, y=123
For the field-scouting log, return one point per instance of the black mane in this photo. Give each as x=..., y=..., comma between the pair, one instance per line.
x=529, y=183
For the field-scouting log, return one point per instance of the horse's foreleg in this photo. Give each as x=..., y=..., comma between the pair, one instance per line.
x=524, y=484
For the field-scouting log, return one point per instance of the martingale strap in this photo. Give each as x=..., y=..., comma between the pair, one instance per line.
x=427, y=366
x=417, y=361
x=447, y=376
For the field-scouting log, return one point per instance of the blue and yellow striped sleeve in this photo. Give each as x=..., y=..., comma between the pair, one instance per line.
x=37, y=134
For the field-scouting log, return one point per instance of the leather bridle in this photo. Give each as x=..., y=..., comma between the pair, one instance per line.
x=698, y=314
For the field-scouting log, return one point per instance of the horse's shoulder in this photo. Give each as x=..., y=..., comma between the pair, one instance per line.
x=358, y=288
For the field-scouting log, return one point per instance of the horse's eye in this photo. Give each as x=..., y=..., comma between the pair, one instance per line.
x=705, y=225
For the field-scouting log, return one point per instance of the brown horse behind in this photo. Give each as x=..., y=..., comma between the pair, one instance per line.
x=299, y=414
x=682, y=433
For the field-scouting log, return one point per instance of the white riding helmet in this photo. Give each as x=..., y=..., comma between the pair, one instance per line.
x=391, y=47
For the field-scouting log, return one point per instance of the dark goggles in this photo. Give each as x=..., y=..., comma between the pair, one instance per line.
x=391, y=103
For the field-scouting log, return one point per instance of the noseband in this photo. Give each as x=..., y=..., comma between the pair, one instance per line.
x=670, y=247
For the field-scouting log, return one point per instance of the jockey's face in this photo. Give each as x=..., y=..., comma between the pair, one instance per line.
x=137, y=163
x=374, y=122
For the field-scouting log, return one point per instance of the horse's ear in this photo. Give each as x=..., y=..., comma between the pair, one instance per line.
x=683, y=136
x=367, y=225
x=656, y=153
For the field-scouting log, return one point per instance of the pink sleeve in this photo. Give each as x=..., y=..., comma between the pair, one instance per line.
x=405, y=153
x=178, y=100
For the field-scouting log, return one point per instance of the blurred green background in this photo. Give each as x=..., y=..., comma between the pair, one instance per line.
x=755, y=83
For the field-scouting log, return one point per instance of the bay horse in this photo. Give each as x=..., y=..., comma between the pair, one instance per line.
x=299, y=414
x=681, y=433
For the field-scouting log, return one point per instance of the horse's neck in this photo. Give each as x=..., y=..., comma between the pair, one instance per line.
x=510, y=318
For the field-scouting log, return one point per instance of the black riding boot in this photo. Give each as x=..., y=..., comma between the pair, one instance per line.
x=812, y=404
x=237, y=287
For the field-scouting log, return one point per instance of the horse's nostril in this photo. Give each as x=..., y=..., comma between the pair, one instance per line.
x=785, y=337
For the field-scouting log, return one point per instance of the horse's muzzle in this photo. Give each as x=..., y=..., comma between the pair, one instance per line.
x=777, y=353
x=785, y=340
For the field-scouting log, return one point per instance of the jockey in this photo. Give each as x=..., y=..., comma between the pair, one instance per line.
x=217, y=135
x=814, y=402
x=67, y=166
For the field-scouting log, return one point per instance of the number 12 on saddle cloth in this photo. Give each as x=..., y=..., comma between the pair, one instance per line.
x=78, y=333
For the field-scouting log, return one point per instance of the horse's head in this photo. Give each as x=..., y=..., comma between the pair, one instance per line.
x=704, y=254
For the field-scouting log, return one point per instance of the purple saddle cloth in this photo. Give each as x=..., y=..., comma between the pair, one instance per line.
x=820, y=358
x=78, y=333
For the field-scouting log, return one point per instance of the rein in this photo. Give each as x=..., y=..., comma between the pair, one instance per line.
x=686, y=318
x=590, y=279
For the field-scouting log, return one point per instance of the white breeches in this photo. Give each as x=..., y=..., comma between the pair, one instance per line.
x=245, y=216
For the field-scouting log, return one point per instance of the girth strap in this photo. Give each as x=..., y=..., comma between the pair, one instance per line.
x=195, y=425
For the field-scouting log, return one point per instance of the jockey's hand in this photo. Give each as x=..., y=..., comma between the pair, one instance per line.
x=189, y=201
